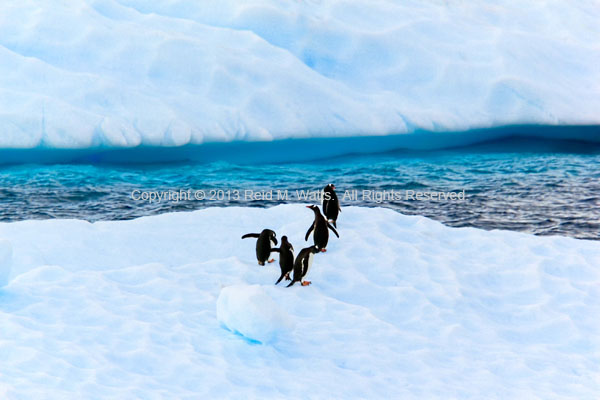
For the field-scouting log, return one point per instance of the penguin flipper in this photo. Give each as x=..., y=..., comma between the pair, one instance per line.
x=309, y=231
x=333, y=229
x=251, y=235
x=276, y=250
x=291, y=283
x=280, y=278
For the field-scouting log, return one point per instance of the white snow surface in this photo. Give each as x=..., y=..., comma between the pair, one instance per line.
x=5, y=261
x=399, y=307
x=170, y=72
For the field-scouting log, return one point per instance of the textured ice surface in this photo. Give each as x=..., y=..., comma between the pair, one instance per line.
x=167, y=73
x=5, y=261
x=400, y=307
x=251, y=312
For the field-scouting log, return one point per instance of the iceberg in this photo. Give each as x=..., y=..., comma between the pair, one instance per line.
x=127, y=73
x=399, y=307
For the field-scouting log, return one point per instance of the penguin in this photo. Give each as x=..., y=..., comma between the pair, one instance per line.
x=320, y=226
x=302, y=265
x=264, y=245
x=331, y=204
x=286, y=259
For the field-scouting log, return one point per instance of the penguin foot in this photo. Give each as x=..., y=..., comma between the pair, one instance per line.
x=271, y=260
x=306, y=283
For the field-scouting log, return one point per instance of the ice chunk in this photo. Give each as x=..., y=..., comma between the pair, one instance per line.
x=251, y=312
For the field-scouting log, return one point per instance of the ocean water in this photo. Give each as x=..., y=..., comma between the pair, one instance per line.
x=544, y=187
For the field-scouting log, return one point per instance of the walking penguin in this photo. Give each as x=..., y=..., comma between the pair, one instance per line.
x=264, y=245
x=321, y=229
x=302, y=265
x=286, y=259
x=331, y=204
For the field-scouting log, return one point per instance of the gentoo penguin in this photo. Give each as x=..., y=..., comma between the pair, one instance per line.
x=331, y=204
x=264, y=245
x=302, y=265
x=286, y=259
x=320, y=226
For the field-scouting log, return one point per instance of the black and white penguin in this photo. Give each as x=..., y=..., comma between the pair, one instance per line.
x=302, y=265
x=331, y=204
x=264, y=245
x=286, y=259
x=321, y=228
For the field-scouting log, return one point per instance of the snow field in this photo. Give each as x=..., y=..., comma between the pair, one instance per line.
x=400, y=306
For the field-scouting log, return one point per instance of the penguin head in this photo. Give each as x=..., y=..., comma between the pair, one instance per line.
x=274, y=237
x=314, y=208
x=330, y=187
x=271, y=235
x=314, y=249
x=284, y=242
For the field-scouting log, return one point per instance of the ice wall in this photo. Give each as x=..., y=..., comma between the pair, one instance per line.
x=167, y=73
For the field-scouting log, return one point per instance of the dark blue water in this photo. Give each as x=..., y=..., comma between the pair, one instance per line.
x=541, y=187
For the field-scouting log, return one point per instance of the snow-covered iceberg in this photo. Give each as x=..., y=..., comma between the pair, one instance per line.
x=122, y=73
x=399, y=307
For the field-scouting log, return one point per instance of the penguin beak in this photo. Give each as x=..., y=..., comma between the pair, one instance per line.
x=307, y=206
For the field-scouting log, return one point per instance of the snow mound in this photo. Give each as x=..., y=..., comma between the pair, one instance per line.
x=251, y=312
x=5, y=261
x=122, y=73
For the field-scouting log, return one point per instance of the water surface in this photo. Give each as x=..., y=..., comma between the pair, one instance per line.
x=541, y=187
